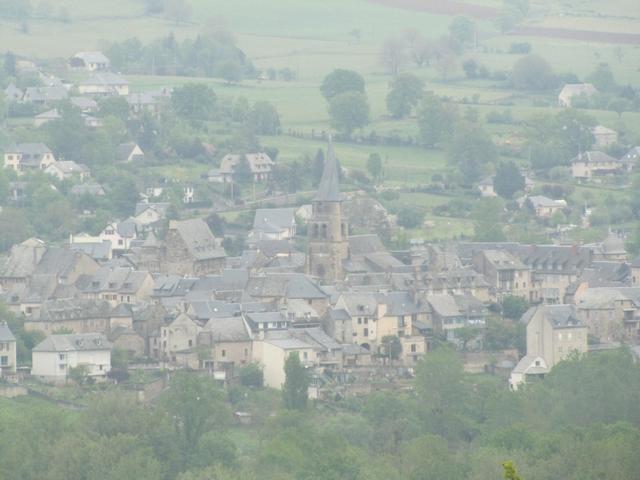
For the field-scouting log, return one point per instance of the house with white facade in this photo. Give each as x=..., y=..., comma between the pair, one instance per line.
x=56, y=356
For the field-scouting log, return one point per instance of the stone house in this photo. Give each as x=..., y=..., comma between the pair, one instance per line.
x=179, y=341
x=545, y=207
x=260, y=165
x=612, y=314
x=8, y=361
x=571, y=90
x=553, y=333
x=272, y=354
x=55, y=357
x=274, y=224
x=505, y=272
x=28, y=157
x=67, y=170
x=117, y=285
x=191, y=249
x=78, y=315
x=604, y=137
x=91, y=61
x=104, y=84
x=229, y=340
x=593, y=163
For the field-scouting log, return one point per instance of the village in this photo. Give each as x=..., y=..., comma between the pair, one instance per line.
x=163, y=291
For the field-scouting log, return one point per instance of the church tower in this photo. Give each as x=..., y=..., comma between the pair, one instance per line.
x=328, y=232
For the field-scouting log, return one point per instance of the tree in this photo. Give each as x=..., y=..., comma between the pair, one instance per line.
x=374, y=166
x=410, y=217
x=391, y=347
x=242, y=171
x=231, y=71
x=14, y=228
x=393, y=55
x=436, y=119
x=532, y=72
x=295, y=391
x=470, y=68
x=252, y=376
x=348, y=111
x=341, y=81
x=508, y=180
x=405, y=93
x=514, y=307
x=486, y=220
x=195, y=101
x=465, y=334
x=471, y=149
x=116, y=106
x=602, y=78
x=195, y=405
x=510, y=472
x=216, y=224
x=463, y=30
x=264, y=119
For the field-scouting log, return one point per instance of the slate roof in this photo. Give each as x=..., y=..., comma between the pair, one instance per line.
x=199, y=240
x=594, y=157
x=45, y=94
x=93, y=189
x=365, y=244
x=227, y=329
x=5, y=333
x=284, y=285
x=112, y=279
x=106, y=79
x=160, y=207
x=22, y=259
x=92, y=57
x=73, y=309
x=73, y=343
x=273, y=220
x=632, y=155
x=329, y=188
x=560, y=316
x=258, y=163
x=444, y=305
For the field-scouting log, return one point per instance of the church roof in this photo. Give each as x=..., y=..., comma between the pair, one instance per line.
x=329, y=188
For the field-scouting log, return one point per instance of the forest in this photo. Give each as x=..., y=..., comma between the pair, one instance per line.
x=581, y=423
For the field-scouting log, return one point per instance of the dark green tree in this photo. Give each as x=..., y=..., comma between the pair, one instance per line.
x=391, y=347
x=436, y=120
x=296, y=385
x=349, y=111
x=508, y=180
x=514, y=307
x=463, y=30
x=486, y=220
x=405, y=93
x=532, y=72
x=242, y=171
x=195, y=101
x=264, y=119
x=470, y=150
x=374, y=166
x=602, y=78
x=341, y=81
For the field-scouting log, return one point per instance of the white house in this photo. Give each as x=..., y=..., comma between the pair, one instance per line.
x=7, y=350
x=68, y=169
x=91, y=61
x=604, y=137
x=129, y=152
x=28, y=156
x=56, y=355
x=274, y=224
x=260, y=165
x=588, y=164
x=120, y=234
x=104, y=84
x=571, y=90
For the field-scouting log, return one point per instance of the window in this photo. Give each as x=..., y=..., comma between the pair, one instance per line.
x=62, y=356
x=359, y=321
x=224, y=353
x=401, y=322
x=366, y=332
x=191, y=343
x=4, y=361
x=305, y=355
x=413, y=348
x=246, y=352
x=366, y=321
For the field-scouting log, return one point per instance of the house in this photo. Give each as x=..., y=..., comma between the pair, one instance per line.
x=553, y=333
x=85, y=104
x=188, y=194
x=486, y=188
x=91, y=61
x=604, y=137
x=54, y=358
x=143, y=102
x=274, y=224
x=191, y=249
x=505, y=272
x=545, y=207
x=612, y=314
x=588, y=164
x=230, y=341
x=179, y=341
x=78, y=315
x=117, y=285
x=67, y=170
x=28, y=156
x=104, y=84
x=272, y=353
x=631, y=157
x=89, y=189
x=571, y=90
x=451, y=312
x=260, y=165
x=150, y=213
x=129, y=152
x=280, y=288
x=13, y=93
x=45, y=95
x=8, y=350
x=46, y=117
x=100, y=251
x=120, y=234
x=611, y=249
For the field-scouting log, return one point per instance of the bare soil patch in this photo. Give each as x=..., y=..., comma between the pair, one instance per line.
x=584, y=35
